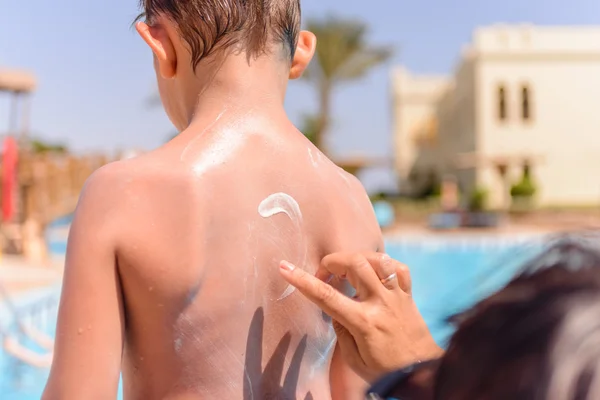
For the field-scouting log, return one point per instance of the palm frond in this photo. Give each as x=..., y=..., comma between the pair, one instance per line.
x=337, y=42
x=363, y=61
x=342, y=54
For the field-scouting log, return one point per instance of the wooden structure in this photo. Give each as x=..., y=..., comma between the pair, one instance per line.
x=50, y=184
x=47, y=185
x=20, y=85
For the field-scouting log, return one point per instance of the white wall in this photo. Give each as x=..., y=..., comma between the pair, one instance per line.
x=525, y=39
x=564, y=129
x=457, y=121
x=414, y=102
x=560, y=65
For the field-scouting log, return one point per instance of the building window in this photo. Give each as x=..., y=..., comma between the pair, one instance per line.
x=502, y=111
x=525, y=103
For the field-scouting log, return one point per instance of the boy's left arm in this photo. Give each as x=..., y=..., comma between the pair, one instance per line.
x=90, y=329
x=345, y=383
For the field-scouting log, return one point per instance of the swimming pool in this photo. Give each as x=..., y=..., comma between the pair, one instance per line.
x=448, y=275
x=57, y=235
x=37, y=308
x=452, y=274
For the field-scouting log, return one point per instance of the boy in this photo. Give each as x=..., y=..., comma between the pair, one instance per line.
x=172, y=264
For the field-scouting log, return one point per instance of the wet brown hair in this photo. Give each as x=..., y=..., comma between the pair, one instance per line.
x=207, y=25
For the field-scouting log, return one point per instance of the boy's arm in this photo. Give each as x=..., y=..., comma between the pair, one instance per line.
x=345, y=383
x=89, y=336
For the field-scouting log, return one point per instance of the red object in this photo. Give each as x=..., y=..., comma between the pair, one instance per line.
x=9, y=178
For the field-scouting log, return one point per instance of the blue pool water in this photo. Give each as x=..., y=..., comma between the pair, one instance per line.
x=56, y=235
x=17, y=380
x=448, y=275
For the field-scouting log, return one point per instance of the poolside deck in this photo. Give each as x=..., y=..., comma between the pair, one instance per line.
x=17, y=275
x=537, y=223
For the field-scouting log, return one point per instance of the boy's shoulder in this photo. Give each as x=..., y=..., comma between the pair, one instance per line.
x=144, y=168
x=132, y=196
x=354, y=185
x=117, y=175
x=149, y=177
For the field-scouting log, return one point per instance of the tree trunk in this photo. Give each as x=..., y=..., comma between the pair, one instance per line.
x=503, y=172
x=324, y=116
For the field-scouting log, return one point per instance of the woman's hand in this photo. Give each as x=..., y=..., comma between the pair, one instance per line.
x=380, y=330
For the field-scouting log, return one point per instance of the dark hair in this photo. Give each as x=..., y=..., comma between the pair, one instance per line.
x=538, y=338
x=209, y=24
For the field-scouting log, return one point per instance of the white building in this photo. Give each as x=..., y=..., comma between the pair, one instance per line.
x=518, y=92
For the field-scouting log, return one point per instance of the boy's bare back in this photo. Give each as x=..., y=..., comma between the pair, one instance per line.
x=199, y=228
x=172, y=263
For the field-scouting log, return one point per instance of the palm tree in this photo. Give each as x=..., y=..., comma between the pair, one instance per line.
x=343, y=54
x=308, y=127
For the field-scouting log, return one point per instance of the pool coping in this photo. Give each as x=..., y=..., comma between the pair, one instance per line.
x=25, y=299
x=466, y=240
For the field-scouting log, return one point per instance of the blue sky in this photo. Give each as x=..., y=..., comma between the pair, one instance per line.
x=95, y=74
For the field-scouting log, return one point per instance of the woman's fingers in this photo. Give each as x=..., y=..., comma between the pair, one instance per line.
x=359, y=271
x=404, y=279
x=395, y=273
x=385, y=269
x=334, y=303
x=369, y=270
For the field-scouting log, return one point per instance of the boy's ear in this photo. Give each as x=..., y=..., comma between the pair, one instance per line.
x=162, y=46
x=305, y=50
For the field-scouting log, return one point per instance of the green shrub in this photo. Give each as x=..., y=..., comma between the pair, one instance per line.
x=436, y=192
x=524, y=188
x=379, y=196
x=478, y=199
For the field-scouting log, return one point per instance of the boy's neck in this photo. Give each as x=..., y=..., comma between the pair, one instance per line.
x=236, y=85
